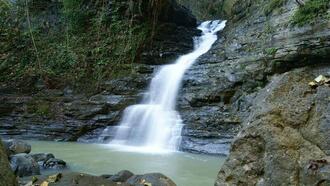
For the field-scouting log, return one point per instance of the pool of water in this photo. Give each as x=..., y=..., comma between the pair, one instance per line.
x=184, y=169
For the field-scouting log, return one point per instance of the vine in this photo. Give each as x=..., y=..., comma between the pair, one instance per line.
x=31, y=34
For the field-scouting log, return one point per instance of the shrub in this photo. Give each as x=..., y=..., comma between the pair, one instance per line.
x=310, y=11
x=75, y=15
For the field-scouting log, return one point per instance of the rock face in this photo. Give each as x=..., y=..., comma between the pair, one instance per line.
x=7, y=177
x=257, y=70
x=64, y=115
x=285, y=140
x=173, y=35
x=219, y=88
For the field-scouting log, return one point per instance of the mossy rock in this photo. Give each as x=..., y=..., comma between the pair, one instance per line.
x=7, y=177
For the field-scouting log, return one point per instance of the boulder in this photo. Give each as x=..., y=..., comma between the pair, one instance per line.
x=7, y=177
x=156, y=179
x=286, y=139
x=16, y=147
x=54, y=163
x=24, y=165
x=42, y=157
x=121, y=176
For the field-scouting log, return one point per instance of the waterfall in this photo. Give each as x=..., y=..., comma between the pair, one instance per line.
x=155, y=125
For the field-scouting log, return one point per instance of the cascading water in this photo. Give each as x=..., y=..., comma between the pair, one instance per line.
x=154, y=125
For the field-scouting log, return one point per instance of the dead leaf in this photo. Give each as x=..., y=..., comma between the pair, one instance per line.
x=321, y=79
x=312, y=84
x=45, y=183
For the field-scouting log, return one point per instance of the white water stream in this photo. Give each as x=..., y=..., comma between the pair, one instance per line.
x=155, y=125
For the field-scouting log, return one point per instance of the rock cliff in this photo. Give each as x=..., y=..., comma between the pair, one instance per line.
x=261, y=39
x=258, y=74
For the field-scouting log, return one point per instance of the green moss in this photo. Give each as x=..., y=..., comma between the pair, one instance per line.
x=228, y=6
x=271, y=51
x=41, y=108
x=273, y=5
x=310, y=11
x=268, y=28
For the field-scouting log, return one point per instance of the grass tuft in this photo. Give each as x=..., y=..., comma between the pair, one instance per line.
x=310, y=11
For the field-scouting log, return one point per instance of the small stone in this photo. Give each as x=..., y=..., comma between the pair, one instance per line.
x=30, y=183
x=54, y=178
x=45, y=183
x=312, y=84
x=320, y=79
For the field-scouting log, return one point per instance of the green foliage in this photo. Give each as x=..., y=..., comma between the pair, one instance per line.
x=86, y=41
x=310, y=11
x=76, y=15
x=273, y=5
x=268, y=28
x=41, y=108
x=13, y=41
x=271, y=51
x=61, y=58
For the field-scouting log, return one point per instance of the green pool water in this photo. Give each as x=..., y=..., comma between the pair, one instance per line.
x=184, y=169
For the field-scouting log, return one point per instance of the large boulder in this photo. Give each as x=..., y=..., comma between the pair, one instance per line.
x=24, y=165
x=48, y=161
x=156, y=179
x=286, y=139
x=7, y=177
